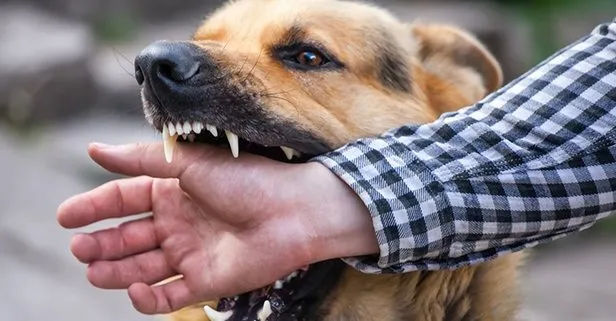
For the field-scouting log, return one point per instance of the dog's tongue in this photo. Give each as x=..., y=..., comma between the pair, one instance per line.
x=297, y=300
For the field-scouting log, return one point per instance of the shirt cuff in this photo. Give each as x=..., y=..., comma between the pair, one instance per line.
x=413, y=223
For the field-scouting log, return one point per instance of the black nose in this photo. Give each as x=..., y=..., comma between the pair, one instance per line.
x=167, y=62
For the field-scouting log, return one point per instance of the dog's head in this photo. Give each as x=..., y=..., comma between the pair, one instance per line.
x=290, y=79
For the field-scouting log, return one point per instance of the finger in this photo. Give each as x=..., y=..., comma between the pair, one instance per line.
x=115, y=199
x=150, y=267
x=162, y=299
x=129, y=238
x=148, y=158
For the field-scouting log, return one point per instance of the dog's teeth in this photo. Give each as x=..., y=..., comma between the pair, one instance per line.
x=169, y=143
x=185, y=136
x=234, y=143
x=179, y=129
x=291, y=276
x=265, y=312
x=288, y=152
x=187, y=128
x=278, y=284
x=212, y=130
x=192, y=137
x=197, y=127
x=214, y=315
x=171, y=129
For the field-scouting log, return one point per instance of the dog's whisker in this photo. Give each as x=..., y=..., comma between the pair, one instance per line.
x=222, y=50
x=275, y=96
x=253, y=67
x=239, y=71
x=122, y=55
x=115, y=55
x=281, y=92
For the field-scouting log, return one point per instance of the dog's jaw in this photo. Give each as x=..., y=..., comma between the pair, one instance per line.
x=284, y=141
x=196, y=131
x=297, y=297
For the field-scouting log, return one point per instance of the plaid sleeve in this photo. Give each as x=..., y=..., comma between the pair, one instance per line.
x=530, y=163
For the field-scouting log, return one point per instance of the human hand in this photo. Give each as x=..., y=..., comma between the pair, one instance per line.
x=227, y=225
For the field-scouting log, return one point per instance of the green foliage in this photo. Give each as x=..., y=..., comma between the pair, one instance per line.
x=116, y=27
x=541, y=14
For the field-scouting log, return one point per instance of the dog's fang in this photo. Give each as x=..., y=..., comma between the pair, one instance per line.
x=265, y=312
x=214, y=315
x=212, y=130
x=187, y=128
x=233, y=143
x=169, y=143
x=288, y=152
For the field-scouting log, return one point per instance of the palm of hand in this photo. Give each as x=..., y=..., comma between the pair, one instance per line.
x=221, y=244
x=204, y=243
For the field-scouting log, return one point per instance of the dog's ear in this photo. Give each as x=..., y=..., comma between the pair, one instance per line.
x=455, y=56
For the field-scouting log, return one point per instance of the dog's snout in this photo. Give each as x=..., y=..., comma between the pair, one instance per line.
x=168, y=62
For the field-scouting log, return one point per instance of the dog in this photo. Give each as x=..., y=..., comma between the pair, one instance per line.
x=291, y=79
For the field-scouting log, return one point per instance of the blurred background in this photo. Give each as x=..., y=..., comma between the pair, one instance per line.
x=66, y=80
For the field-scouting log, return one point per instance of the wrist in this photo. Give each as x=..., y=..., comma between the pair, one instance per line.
x=337, y=222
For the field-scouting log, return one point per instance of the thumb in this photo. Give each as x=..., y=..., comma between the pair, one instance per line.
x=148, y=159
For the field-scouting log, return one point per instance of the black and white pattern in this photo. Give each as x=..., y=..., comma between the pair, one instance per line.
x=530, y=163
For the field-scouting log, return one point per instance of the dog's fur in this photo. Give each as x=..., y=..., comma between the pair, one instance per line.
x=393, y=74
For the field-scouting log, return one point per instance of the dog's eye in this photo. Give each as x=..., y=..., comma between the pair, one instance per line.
x=310, y=58
x=306, y=57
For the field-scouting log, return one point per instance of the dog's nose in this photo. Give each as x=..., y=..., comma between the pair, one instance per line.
x=167, y=62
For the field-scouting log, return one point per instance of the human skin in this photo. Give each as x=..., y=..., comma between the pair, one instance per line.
x=227, y=225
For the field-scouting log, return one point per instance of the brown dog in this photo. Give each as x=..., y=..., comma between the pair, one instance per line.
x=310, y=76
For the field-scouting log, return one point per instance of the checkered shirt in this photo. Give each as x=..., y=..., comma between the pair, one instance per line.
x=530, y=163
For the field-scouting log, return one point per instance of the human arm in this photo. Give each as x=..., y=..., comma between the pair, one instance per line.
x=227, y=225
x=533, y=162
